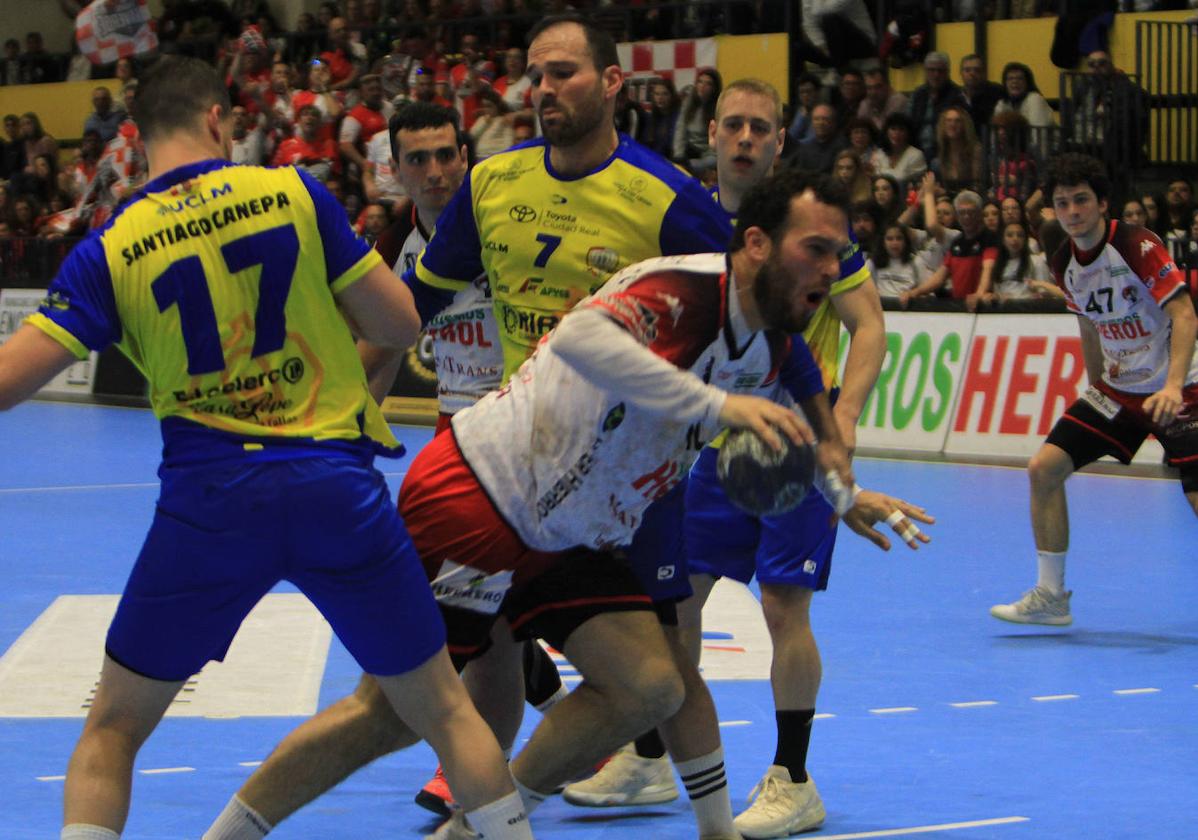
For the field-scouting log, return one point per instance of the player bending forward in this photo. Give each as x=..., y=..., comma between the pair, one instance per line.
x=1138, y=330
x=517, y=511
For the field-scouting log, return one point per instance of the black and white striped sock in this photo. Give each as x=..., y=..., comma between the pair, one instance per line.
x=707, y=787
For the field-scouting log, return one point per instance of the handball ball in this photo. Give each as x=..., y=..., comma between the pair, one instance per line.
x=760, y=480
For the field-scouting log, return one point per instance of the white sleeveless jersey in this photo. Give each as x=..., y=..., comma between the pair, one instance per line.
x=569, y=463
x=1122, y=291
x=465, y=340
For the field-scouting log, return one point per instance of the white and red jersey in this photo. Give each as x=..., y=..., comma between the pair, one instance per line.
x=517, y=94
x=363, y=122
x=1122, y=289
x=378, y=155
x=591, y=429
x=466, y=351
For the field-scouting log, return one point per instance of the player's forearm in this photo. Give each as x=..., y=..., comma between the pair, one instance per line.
x=1181, y=339
x=818, y=411
x=608, y=357
x=867, y=351
x=1091, y=351
x=381, y=365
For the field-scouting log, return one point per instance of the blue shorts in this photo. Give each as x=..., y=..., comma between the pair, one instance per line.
x=223, y=535
x=794, y=549
x=657, y=554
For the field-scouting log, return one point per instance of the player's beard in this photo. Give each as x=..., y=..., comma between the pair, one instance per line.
x=574, y=126
x=773, y=293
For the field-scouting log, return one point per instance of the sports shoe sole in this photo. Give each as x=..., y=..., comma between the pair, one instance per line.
x=782, y=833
x=432, y=802
x=646, y=796
x=1048, y=621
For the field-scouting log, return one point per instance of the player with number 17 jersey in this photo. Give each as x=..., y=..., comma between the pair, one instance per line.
x=213, y=282
x=546, y=241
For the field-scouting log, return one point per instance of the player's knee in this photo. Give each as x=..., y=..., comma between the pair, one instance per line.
x=786, y=609
x=658, y=691
x=1048, y=468
x=371, y=715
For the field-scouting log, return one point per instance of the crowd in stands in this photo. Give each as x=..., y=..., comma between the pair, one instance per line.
x=945, y=180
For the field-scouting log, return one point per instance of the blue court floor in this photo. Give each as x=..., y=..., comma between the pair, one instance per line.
x=938, y=719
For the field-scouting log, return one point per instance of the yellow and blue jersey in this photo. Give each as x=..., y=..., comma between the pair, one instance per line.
x=217, y=281
x=823, y=333
x=546, y=241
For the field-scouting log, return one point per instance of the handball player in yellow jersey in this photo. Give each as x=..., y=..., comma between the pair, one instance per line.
x=222, y=283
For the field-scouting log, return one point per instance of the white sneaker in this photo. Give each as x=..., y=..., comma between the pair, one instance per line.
x=627, y=779
x=1037, y=606
x=781, y=807
x=454, y=828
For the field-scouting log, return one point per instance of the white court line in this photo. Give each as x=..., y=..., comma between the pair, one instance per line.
x=1046, y=698
x=70, y=487
x=1136, y=691
x=158, y=771
x=827, y=715
x=249, y=763
x=735, y=722
x=50, y=778
x=925, y=829
x=894, y=710
x=973, y=704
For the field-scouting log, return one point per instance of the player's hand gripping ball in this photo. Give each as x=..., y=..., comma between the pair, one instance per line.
x=760, y=480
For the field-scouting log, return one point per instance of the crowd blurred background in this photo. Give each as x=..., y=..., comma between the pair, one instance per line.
x=319, y=97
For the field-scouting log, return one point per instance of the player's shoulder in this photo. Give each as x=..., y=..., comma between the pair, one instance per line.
x=512, y=163
x=1132, y=241
x=670, y=269
x=651, y=163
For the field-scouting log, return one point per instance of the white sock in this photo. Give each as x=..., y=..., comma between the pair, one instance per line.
x=546, y=705
x=1052, y=571
x=707, y=787
x=503, y=819
x=82, y=831
x=532, y=798
x=238, y=822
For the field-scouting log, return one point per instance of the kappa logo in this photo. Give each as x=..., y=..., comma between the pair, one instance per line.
x=522, y=213
x=472, y=589
x=1145, y=247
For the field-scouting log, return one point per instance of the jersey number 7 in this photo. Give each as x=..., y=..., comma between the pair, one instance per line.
x=184, y=283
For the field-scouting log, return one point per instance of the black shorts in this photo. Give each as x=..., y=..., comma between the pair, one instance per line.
x=552, y=605
x=1104, y=421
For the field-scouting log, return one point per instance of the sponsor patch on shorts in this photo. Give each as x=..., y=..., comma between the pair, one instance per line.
x=1101, y=403
x=471, y=589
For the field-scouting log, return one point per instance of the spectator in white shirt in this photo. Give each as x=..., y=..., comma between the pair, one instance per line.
x=248, y=142
x=897, y=157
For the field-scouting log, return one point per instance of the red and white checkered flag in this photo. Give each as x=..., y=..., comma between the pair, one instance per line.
x=110, y=29
x=679, y=61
